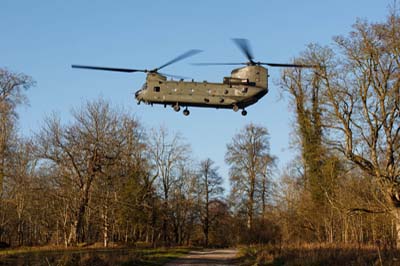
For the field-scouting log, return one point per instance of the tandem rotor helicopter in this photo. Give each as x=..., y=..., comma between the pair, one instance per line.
x=244, y=87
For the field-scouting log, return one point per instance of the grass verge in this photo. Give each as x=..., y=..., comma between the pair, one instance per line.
x=54, y=256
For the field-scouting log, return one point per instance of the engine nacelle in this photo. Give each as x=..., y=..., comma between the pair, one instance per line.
x=251, y=74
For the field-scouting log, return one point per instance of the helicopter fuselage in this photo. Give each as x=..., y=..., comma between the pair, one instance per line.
x=244, y=87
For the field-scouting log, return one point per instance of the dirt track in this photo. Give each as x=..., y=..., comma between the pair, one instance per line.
x=214, y=257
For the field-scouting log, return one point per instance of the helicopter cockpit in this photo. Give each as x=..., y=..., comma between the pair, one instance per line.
x=139, y=93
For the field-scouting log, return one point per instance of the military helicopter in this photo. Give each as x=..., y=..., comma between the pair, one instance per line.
x=244, y=87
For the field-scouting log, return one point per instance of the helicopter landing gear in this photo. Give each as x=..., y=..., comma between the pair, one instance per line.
x=176, y=107
x=235, y=108
x=186, y=112
x=244, y=112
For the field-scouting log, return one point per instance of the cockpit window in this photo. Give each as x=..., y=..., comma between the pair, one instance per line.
x=157, y=89
x=144, y=87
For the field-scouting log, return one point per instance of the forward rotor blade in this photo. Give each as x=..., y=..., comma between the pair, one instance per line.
x=217, y=64
x=126, y=70
x=287, y=65
x=244, y=46
x=181, y=57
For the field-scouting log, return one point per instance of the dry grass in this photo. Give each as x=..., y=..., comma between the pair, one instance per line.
x=90, y=255
x=321, y=254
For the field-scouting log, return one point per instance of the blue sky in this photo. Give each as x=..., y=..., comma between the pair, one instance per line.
x=43, y=38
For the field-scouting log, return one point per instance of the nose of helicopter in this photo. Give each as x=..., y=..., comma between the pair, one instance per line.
x=137, y=95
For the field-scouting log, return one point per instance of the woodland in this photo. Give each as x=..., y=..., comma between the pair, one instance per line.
x=104, y=178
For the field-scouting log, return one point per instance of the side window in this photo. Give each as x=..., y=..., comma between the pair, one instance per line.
x=156, y=89
x=244, y=90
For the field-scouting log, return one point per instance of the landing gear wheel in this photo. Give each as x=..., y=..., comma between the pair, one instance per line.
x=235, y=108
x=186, y=112
x=177, y=108
x=244, y=113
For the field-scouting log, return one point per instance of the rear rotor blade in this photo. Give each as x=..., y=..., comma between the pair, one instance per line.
x=244, y=46
x=126, y=70
x=181, y=57
x=287, y=65
x=218, y=64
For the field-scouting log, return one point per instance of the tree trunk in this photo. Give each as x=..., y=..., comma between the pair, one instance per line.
x=396, y=215
x=250, y=211
x=80, y=219
x=345, y=229
x=105, y=221
x=72, y=234
x=263, y=195
x=105, y=227
x=80, y=232
x=207, y=218
x=206, y=229
x=165, y=232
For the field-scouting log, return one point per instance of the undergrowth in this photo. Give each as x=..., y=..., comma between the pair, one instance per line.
x=320, y=254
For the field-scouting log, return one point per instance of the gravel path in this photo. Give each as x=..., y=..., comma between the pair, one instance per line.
x=215, y=257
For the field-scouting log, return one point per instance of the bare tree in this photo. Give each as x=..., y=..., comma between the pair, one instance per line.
x=12, y=87
x=84, y=152
x=360, y=88
x=21, y=184
x=210, y=190
x=266, y=187
x=363, y=103
x=248, y=155
x=167, y=152
x=182, y=203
